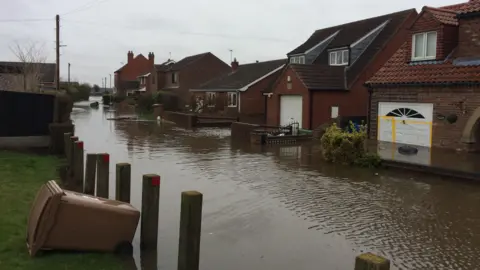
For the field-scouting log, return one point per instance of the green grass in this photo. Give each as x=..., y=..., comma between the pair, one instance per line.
x=21, y=175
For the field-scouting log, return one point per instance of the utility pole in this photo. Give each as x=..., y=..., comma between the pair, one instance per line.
x=57, y=41
x=110, y=81
x=68, y=74
x=105, y=84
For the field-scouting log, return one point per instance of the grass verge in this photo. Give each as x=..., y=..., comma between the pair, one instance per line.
x=21, y=175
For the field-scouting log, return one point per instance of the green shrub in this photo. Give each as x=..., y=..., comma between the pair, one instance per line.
x=79, y=92
x=107, y=99
x=169, y=100
x=145, y=102
x=347, y=146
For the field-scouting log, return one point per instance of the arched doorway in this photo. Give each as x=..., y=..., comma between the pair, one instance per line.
x=471, y=131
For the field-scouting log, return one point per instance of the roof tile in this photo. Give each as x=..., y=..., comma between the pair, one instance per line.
x=319, y=77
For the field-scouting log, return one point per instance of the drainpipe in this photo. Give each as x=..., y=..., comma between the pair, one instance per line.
x=310, y=110
x=369, y=112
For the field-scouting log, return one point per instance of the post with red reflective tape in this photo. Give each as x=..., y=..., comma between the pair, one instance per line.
x=77, y=184
x=150, y=206
x=103, y=170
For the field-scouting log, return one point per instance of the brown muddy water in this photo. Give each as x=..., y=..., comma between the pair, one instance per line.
x=283, y=208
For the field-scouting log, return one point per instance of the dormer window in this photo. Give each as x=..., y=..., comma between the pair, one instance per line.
x=424, y=46
x=339, y=58
x=297, y=59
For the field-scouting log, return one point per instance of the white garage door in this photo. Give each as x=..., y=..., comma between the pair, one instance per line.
x=290, y=109
x=408, y=123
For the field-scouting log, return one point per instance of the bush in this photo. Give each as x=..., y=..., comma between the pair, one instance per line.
x=107, y=99
x=348, y=146
x=145, y=102
x=79, y=92
x=168, y=100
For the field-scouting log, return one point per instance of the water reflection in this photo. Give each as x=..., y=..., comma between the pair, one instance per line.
x=283, y=208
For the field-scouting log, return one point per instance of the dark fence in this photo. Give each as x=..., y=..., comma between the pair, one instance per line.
x=25, y=114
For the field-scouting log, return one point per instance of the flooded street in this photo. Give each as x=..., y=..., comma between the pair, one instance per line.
x=283, y=208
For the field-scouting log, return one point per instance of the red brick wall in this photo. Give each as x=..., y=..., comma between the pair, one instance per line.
x=197, y=73
x=425, y=23
x=445, y=101
x=450, y=40
x=298, y=88
x=469, y=37
x=252, y=101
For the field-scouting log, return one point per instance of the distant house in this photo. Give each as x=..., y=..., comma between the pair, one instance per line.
x=190, y=72
x=428, y=93
x=19, y=76
x=239, y=92
x=126, y=78
x=326, y=74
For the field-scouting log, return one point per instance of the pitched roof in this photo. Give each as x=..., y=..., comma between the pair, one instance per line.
x=165, y=65
x=460, y=70
x=349, y=32
x=188, y=60
x=320, y=77
x=444, y=16
x=138, y=56
x=47, y=69
x=467, y=7
x=243, y=76
x=397, y=71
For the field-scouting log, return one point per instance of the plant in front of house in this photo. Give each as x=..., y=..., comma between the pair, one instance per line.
x=348, y=146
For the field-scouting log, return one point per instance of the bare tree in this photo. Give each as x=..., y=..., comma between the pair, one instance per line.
x=32, y=57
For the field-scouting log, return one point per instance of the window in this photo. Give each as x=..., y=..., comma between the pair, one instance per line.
x=174, y=77
x=334, y=112
x=406, y=112
x=339, y=58
x=297, y=59
x=424, y=46
x=232, y=99
x=211, y=100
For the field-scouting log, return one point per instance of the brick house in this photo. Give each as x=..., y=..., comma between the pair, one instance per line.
x=326, y=74
x=19, y=76
x=190, y=72
x=239, y=92
x=428, y=93
x=126, y=79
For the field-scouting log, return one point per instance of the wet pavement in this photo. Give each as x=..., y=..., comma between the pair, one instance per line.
x=283, y=208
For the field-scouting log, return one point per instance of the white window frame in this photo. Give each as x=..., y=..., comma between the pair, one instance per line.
x=334, y=112
x=211, y=96
x=297, y=59
x=230, y=99
x=332, y=58
x=425, y=44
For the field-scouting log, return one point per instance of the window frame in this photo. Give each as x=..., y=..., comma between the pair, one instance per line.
x=425, y=46
x=211, y=96
x=229, y=98
x=331, y=111
x=299, y=59
x=332, y=55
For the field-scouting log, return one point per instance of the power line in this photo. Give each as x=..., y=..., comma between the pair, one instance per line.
x=85, y=7
x=219, y=35
x=25, y=20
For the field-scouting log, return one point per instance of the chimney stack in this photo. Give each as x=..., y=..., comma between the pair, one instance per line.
x=151, y=58
x=129, y=56
x=234, y=64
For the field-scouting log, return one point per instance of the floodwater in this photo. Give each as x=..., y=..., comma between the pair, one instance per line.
x=283, y=208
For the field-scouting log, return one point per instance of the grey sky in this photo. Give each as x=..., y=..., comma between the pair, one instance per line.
x=98, y=35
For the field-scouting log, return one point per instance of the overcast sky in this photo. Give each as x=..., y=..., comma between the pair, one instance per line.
x=98, y=33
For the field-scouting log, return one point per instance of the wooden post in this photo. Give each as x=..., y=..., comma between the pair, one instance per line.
x=66, y=144
x=90, y=171
x=78, y=167
x=190, y=230
x=370, y=261
x=150, y=204
x=123, y=176
x=73, y=139
x=103, y=170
